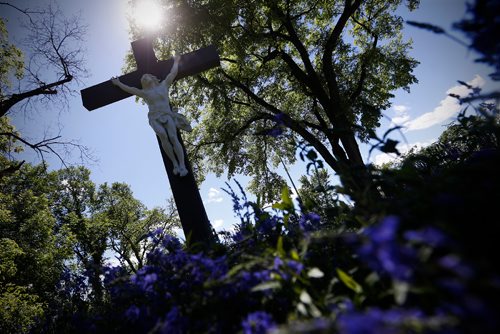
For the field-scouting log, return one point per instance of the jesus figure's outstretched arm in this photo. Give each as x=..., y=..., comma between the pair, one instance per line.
x=173, y=72
x=128, y=89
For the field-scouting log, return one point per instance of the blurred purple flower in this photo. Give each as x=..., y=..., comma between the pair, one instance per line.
x=455, y=264
x=377, y=321
x=385, y=231
x=429, y=235
x=283, y=268
x=257, y=323
x=150, y=278
x=381, y=250
x=309, y=222
x=132, y=313
x=174, y=322
x=295, y=266
x=171, y=243
x=268, y=225
x=277, y=263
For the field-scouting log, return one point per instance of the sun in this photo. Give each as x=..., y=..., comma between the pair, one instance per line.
x=148, y=14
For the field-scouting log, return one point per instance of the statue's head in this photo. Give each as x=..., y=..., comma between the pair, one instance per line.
x=149, y=80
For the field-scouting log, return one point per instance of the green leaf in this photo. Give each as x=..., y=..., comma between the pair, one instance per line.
x=349, y=281
x=279, y=247
x=311, y=155
x=305, y=297
x=390, y=146
x=266, y=286
x=302, y=309
x=285, y=197
x=315, y=273
x=286, y=203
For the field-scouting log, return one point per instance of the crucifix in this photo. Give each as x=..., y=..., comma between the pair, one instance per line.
x=159, y=74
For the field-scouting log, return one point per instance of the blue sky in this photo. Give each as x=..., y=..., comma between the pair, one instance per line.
x=125, y=145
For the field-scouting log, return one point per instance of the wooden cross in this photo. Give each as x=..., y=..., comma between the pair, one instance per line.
x=193, y=216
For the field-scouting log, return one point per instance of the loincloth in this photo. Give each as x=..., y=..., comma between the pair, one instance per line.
x=179, y=120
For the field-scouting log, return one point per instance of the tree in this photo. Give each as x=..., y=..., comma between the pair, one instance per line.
x=55, y=230
x=320, y=72
x=105, y=218
x=130, y=222
x=32, y=250
x=54, y=60
x=318, y=195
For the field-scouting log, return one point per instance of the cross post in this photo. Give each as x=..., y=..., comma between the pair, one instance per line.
x=192, y=214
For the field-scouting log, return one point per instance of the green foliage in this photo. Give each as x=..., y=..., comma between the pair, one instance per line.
x=32, y=255
x=9, y=251
x=129, y=222
x=20, y=310
x=55, y=226
x=11, y=60
x=460, y=141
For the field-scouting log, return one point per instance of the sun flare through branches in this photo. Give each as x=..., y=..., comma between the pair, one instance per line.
x=147, y=14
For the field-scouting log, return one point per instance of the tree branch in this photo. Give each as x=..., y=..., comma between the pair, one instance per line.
x=46, y=146
x=26, y=11
x=330, y=44
x=47, y=89
x=288, y=121
x=304, y=54
x=11, y=169
x=364, y=67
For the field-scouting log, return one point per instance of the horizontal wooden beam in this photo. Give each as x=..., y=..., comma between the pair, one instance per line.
x=192, y=63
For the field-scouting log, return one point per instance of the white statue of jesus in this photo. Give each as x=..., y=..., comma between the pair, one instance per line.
x=162, y=118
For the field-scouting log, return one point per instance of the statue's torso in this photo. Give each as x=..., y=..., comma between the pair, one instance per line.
x=158, y=102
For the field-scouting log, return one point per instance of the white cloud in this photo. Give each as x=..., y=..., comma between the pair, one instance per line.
x=217, y=224
x=400, y=120
x=383, y=158
x=214, y=196
x=401, y=117
x=400, y=108
x=448, y=107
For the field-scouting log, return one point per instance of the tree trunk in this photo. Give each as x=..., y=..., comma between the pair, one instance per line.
x=95, y=278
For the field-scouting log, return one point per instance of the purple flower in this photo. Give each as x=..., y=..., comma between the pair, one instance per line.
x=145, y=278
x=295, y=266
x=382, y=252
x=244, y=231
x=158, y=231
x=428, y=235
x=171, y=243
x=110, y=274
x=247, y=280
x=132, y=313
x=267, y=226
x=174, y=322
x=376, y=321
x=278, y=263
x=150, y=278
x=309, y=222
x=284, y=268
x=384, y=231
x=454, y=263
x=257, y=323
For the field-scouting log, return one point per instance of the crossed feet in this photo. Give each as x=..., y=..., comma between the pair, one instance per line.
x=180, y=170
